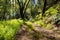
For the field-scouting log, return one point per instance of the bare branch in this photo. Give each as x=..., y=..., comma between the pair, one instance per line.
x=26, y=5
x=18, y=3
x=25, y=2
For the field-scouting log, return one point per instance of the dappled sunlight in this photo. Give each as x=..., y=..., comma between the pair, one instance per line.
x=29, y=19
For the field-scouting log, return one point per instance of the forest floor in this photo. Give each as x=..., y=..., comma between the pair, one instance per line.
x=37, y=34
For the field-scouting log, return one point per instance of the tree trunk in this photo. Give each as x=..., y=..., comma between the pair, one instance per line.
x=21, y=12
x=45, y=2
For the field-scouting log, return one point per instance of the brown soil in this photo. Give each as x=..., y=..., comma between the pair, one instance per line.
x=37, y=34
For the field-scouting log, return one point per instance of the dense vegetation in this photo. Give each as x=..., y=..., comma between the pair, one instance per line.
x=9, y=28
x=16, y=14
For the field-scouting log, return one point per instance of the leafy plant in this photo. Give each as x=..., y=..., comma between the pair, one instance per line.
x=9, y=28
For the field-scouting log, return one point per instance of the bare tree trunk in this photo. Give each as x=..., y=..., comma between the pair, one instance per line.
x=52, y=4
x=21, y=12
x=45, y=2
x=23, y=8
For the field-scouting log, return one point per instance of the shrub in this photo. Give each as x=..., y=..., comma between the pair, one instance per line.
x=9, y=28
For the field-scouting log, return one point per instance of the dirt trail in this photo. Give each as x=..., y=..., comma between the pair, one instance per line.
x=23, y=34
